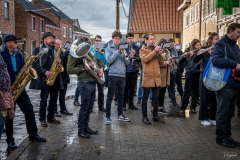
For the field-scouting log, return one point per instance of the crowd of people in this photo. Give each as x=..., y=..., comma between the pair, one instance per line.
x=160, y=69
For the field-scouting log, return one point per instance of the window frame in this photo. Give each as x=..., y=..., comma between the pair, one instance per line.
x=197, y=12
x=186, y=22
x=42, y=28
x=33, y=24
x=191, y=13
x=6, y=10
x=64, y=32
x=70, y=32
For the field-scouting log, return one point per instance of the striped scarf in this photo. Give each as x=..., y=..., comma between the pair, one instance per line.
x=5, y=81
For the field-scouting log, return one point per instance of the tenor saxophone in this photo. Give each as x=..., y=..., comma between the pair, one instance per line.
x=22, y=79
x=55, y=69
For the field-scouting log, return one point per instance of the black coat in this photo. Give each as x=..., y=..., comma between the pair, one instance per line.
x=40, y=82
x=64, y=74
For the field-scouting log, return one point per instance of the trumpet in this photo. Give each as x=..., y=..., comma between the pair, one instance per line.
x=201, y=52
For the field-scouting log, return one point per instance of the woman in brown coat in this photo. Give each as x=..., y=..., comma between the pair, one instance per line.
x=151, y=61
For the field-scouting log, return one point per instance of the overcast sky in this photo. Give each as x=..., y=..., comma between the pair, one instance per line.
x=95, y=16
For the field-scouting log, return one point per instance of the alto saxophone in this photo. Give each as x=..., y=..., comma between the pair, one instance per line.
x=22, y=79
x=55, y=69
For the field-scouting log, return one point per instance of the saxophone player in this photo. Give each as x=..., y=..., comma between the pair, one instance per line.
x=15, y=62
x=42, y=66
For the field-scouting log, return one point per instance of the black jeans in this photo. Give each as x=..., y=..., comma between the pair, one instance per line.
x=161, y=97
x=130, y=85
x=100, y=95
x=226, y=100
x=62, y=94
x=114, y=82
x=191, y=88
x=26, y=107
x=207, y=99
x=175, y=78
x=155, y=95
x=53, y=92
x=87, y=91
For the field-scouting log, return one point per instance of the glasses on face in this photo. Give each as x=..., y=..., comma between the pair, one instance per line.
x=118, y=39
x=15, y=42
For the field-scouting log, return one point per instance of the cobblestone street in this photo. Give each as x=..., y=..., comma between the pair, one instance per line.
x=181, y=137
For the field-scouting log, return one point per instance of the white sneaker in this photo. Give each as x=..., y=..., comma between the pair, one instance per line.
x=108, y=121
x=123, y=118
x=213, y=122
x=206, y=123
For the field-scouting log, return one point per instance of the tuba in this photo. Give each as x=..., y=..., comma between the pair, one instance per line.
x=22, y=79
x=82, y=50
x=55, y=68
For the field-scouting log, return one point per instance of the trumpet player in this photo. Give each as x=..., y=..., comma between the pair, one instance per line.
x=132, y=70
x=100, y=54
x=15, y=62
x=42, y=66
x=151, y=76
x=117, y=63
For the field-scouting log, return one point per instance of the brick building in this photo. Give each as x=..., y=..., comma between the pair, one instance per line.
x=58, y=19
x=7, y=21
x=29, y=24
x=199, y=19
x=78, y=31
x=160, y=17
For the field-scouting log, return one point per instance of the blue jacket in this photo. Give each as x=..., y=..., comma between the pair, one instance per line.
x=7, y=59
x=218, y=58
x=99, y=55
x=116, y=62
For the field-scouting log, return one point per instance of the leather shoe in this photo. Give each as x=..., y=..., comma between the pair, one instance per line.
x=66, y=113
x=12, y=145
x=102, y=110
x=225, y=142
x=44, y=123
x=234, y=142
x=38, y=139
x=54, y=121
x=56, y=114
x=133, y=107
x=192, y=111
x=83, y=134
x=157, y=119
x=90, y=131
x=146, y=121
x=182, y=111
x=76, y=103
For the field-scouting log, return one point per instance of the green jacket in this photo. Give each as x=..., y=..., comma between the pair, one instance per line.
x=75, y=66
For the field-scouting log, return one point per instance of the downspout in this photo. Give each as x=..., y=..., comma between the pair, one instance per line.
x=200, y=20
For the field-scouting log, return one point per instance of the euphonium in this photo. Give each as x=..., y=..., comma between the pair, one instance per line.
x=55, y=68
x=22, y=79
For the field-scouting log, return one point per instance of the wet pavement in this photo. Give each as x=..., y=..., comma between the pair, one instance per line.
x=181, y=137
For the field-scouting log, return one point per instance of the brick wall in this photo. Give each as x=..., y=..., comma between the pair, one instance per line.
x=158, y=36
x=56, y=31
x=68, y=25
x=7, y=24
x=193, y=30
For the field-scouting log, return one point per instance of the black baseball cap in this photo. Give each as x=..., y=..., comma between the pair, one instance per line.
x=11, y=37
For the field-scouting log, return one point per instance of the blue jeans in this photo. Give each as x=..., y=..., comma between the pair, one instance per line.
x=76, y=94
x=140, y=89
x=87, y=91
x=113, y=83
x=2, y=126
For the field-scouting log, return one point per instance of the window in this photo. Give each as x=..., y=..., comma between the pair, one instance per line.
x=6, y=10
x=33, y=45
x=186, y=19
x=191, y=15
x=41, y=25
x=70, y=32
x=208, y=7
x=64, y=32
x=196, y=12
x=33, y=23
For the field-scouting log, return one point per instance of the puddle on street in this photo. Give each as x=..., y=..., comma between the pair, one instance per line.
x=71, y=138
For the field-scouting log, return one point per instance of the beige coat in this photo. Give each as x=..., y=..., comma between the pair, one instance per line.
x=151, y=67
x=165, y=74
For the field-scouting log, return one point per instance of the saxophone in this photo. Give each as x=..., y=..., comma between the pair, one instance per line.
x=55, y=68
x=22, y=79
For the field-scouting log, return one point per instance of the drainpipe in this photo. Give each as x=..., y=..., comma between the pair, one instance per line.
x=200, y=19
